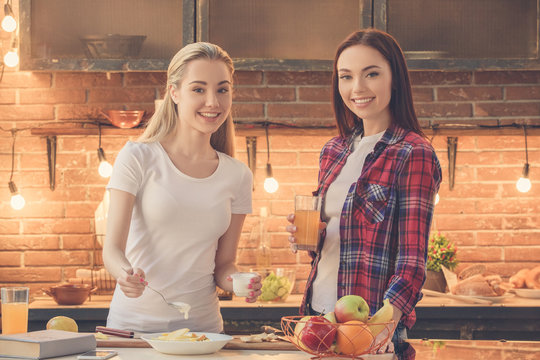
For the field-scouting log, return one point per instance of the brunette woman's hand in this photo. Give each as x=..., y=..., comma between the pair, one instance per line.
x=291, y=228
x=132, y=282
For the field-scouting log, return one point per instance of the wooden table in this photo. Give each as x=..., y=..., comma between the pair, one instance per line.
x=437, y=318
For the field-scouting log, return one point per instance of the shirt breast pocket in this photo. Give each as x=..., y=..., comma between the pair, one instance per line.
x=372, y=201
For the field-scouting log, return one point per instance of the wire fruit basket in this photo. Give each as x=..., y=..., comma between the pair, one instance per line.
x=324, y=339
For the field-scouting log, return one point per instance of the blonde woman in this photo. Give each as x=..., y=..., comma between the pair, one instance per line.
x=178, y=202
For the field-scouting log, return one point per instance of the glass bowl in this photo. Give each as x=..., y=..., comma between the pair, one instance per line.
x=277, y=283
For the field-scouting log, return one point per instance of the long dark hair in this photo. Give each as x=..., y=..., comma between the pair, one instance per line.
x=401, y=102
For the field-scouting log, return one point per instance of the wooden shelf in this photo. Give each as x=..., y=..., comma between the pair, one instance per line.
x=256, y=130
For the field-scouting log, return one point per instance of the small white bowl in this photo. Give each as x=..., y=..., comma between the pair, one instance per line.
x=216, y=342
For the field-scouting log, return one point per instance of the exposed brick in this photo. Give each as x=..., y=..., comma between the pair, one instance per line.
x=501, y=143
x=264, y=94
x=507, y=77
x=60, y=193
x=10, y=258
x=26, y=112
x=48, y=258
x=248, y=78
x=145, y=79
x=27, y=242
x=78, y=242
x=87, y=80
x=443, y=110
x=469, y=222
x=498, y=174
x=53, y=96
x=320, y=94
x=9, y=226
x=21, y=79
x=298, y=78
x=7, y=97
x=522, y=92
x=58, y=226
x=79, y=210
x=454, y=206
x=469, y=93
x=29, y=275
x=507, y=109
x=515, y=238
x=131, y=95
x=481, y=254
x=422, y=94
x=299, y=111
x=440, y=78
x=248, y=111
x=527, y=253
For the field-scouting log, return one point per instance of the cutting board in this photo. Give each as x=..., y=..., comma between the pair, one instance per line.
x=235, y=344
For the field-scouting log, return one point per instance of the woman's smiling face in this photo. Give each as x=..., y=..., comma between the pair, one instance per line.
x=204, y=96
x=365, y=84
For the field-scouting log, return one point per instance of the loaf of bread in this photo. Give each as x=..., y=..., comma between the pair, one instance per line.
x=532, y=278
x=474, y=280
x=518, y=279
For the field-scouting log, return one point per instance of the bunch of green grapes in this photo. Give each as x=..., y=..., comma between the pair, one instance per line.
x=275, y=288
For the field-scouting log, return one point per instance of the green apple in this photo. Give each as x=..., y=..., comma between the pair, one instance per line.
x=351, y=307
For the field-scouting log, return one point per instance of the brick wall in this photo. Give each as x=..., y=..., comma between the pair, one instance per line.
x=52, y=236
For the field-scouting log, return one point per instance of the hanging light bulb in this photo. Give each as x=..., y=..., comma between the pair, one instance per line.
x=271, y=185
x=437, y=198
x=9, y=23
x=524, y=184
x=17, y=200
x=11, y=59
x=105, y=168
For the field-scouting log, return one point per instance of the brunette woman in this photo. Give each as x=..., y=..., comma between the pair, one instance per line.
x=378, y=180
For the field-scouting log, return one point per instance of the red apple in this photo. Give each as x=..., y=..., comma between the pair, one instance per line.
x=351, y=307
x=318, y=334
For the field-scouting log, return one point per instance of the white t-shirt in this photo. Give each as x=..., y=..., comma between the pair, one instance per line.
x=325, y=284
x=176, y=223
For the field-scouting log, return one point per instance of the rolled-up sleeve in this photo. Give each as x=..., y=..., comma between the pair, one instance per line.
x=419, y=181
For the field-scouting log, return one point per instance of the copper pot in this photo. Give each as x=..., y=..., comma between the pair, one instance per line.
x=124, y=119
x=70, y=294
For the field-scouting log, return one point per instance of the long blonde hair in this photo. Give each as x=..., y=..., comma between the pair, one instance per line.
x=165, y=118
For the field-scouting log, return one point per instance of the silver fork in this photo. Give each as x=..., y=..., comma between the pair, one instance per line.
x=160, y=294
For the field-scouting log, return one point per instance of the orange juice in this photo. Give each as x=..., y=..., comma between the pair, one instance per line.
x=307, y=229
x=14, y=318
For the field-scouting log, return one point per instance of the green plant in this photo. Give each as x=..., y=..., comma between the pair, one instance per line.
x=441, y=252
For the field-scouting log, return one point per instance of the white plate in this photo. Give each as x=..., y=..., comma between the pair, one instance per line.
x=216, y=342
x=494, y=299
x=528, y=293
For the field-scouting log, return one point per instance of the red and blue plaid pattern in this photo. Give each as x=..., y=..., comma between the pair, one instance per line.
x=385, y=220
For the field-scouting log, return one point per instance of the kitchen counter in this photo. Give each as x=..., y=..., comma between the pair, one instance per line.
x=514, y=319
x=425, y=350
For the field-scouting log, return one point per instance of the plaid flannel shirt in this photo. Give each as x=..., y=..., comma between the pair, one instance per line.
x=385, y=221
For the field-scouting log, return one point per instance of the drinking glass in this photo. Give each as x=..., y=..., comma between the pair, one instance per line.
x=307, y=214
x=14, y=310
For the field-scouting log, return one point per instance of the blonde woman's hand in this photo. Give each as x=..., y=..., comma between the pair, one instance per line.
x=254, y=287
x=132, y=282
x=291, y=228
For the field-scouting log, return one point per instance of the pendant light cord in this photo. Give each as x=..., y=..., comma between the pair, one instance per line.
x=526, y=149
x=267, y=143
x=13, y=133
x=99, y=132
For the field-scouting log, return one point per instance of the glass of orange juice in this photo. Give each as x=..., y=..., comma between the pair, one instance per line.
x=307, y=214
x=14, y=310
